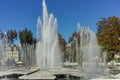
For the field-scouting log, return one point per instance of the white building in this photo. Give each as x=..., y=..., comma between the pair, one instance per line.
x=11, y=53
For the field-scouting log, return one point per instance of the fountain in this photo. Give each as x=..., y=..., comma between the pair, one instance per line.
x=47, y=50
x=1, y=52
x=4, y=63
x=90, y=52
x=48, y=55
x=27, y=55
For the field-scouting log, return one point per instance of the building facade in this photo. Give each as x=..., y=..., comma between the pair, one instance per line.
x=11, y=53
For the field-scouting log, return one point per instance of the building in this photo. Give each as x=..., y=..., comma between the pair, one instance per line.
x=11, y=53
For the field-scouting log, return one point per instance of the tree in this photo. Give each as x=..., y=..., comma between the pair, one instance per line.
x=74, y=39
x=1, y=35
x=12, y=34
x=62, y=44
x=108, y=33
x=28, y=46
x=26, y=37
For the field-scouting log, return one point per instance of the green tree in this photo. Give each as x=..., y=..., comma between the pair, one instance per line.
x=26, y=37
x=108, y=33
x=1, y=35
x=28, y=46
x=12, y=35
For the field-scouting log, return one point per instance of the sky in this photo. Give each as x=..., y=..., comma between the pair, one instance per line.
x=20, y=14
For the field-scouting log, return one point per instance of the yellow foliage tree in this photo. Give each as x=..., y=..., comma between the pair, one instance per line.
x=108, y=33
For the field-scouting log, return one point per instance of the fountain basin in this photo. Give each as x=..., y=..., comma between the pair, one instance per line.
x=18, y=71
x=52, y=73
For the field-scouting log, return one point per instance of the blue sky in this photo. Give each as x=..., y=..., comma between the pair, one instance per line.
x=18, y=14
